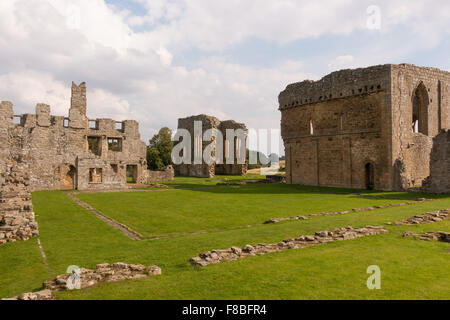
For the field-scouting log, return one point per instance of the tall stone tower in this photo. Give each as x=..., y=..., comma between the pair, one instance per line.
x=78, y=103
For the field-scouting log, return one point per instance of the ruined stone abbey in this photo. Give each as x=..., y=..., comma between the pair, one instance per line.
x=44, y=152
x=73, y=152
x=369, y=128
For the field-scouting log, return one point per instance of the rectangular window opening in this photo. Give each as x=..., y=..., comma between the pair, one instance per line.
x=17, y=120
x=119, y=126
x=94, y=145
x=115, y=144
x=95, y=175
x=93, y=124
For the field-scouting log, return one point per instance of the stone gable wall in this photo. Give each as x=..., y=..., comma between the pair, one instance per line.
x=411, y=151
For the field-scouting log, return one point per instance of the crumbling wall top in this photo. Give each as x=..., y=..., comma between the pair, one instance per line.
x=336, y=85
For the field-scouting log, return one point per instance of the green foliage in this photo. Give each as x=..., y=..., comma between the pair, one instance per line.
x=159, y=150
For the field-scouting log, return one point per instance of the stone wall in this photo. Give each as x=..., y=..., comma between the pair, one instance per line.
x=411, y=148
x=167, y=174
x=353, y=128
x=334, y=127
x=439, y=179
x=17, y=220
x=205, y=170
x=321, y=237
x=60, y=153
x=16, y=210
x=86, y=278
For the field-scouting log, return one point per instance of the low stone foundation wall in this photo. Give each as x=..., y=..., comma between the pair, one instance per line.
x=426, y=218
x=276, y=220
x=430, y=236
x=86, y=278
x=234, y=253
x=167, y=174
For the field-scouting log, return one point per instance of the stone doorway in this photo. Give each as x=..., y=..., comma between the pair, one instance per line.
x=370, y=177
x=132, y=173
x=67, y=176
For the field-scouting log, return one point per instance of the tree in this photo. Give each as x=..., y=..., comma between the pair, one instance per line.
x=159, y=151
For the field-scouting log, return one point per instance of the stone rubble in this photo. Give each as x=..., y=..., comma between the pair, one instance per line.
x=104, y=272
x=234, y=253
x=426, y=218
x=276, y=220
x=430, y=236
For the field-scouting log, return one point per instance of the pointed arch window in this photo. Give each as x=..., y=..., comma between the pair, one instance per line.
x=420, y=110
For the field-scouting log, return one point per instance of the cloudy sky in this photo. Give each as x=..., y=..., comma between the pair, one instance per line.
x=158, y=60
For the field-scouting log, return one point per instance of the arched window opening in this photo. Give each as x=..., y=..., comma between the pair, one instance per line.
x=420, y=110
x=311, y=127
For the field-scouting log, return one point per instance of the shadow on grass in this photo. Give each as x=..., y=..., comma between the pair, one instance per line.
x=210, y=185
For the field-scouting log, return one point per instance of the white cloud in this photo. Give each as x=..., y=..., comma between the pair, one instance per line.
x=342, y=62
x=27, y=88
x=48, y=43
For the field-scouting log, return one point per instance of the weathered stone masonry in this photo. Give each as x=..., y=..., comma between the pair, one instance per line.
x=76, y=152
x=439, y=179
x=204, y=170
x=44, y=152
x=371, y=127
x=16, y=211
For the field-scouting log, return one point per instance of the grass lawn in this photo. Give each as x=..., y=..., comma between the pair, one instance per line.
x=192, y=207
x=70, y=235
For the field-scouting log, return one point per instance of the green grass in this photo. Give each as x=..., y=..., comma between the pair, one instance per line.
x=70, y=235
x=21, y=268
x=193, y=207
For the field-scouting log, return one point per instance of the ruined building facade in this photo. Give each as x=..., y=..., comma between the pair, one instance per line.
x=205, y=170
x=73, y=152
x=366, y=128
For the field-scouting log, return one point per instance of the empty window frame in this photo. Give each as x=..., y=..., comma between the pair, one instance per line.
x=93, y=124
x=18, y=120
x=95, y=175
x=94, y=145
x=120, y=126
x=115, y=144
x=420, y=110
